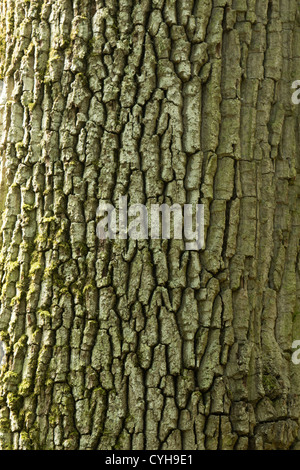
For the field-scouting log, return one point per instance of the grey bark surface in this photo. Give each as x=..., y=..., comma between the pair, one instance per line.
x=130, y=344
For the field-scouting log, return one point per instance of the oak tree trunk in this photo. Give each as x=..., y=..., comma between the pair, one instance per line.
x=128, y=344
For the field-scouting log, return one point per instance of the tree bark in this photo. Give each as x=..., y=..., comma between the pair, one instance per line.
x=128, y=344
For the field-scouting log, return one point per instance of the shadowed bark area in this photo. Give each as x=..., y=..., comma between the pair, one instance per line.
x=130, y=344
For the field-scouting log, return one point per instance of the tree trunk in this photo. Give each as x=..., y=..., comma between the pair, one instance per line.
x=125, y=344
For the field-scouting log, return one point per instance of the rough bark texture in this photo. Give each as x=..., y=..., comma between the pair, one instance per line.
x=143, y=345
